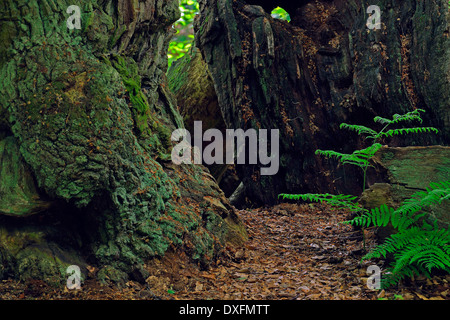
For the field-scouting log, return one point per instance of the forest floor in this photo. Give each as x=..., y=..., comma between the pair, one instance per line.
x=294, y=252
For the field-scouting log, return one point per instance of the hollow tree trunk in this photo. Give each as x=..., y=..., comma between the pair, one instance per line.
x=325, y=67
x=91, y=115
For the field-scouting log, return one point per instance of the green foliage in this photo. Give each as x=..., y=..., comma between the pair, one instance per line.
x=340, y=201
x=358, y=158
x=361, y=158
x=184, y=37
x=435, y=194
x=280, y=13
x=418, y=247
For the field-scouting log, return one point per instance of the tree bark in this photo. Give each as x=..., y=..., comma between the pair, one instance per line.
x=92, y=116
x=324, y=68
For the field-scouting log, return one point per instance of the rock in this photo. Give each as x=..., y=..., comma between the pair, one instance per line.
x=401, y=172
x=377, y=195
x=409, y=169
x=19, y=195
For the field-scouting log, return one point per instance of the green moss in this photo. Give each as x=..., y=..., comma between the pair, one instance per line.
x=14, y=242
x=177, y=75
x=90, y=133
x=149, y=127
x=388, y=156
x=25, y=251
x=18, y=193
x=109, y=274
x=7, y=34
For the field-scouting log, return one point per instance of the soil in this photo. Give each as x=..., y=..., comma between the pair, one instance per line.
x=295, y=252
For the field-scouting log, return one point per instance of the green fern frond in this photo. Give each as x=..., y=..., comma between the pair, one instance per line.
x=418, y=247
x=379, y=217
x=382, y=120
x=392, y=244
x=358, y=158
x=403, y=131
x=358, y=129
x=434, y=194
x=426, y=250
x=368, y=152
x=341, y=201
x=408, y=117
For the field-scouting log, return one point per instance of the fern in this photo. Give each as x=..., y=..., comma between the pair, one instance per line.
x=407, y=117
x=358, y=129
x=340, y=201
x=398, y=132
x=435, y=194
x=361, y=158
x=416, y=251
x=418, y=247
x=376, y=217
x=381, y=217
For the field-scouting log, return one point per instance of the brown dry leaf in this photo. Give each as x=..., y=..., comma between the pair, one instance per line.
x=209, y=276
x=421, y=296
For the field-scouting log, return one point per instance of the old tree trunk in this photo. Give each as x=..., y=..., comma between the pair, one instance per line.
x=323, y=68
x=85, y=125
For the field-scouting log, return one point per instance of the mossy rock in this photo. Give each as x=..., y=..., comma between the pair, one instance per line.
x=407, y=170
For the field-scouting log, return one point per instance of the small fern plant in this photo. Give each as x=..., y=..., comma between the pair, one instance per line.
x=418, y=247
x=339, y=201
x=361, y=158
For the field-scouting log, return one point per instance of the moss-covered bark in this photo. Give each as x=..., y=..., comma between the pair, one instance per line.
x=190, y=81
x=18, y=193
x=92, y=117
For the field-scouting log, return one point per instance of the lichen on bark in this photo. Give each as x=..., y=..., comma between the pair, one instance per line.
x=92, y=120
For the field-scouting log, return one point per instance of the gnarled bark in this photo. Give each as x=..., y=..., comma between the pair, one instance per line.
x=92, y=118
x=325, y=67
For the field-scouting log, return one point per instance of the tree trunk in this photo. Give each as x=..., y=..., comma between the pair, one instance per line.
x=323, y=68
x=191, y=83
x=92, y=117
